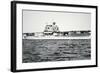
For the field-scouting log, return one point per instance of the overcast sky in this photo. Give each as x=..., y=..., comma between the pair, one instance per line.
x=35, y=21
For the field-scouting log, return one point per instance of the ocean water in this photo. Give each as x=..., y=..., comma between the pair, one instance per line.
x=46, y=50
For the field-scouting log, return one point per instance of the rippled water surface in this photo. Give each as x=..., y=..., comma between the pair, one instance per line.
x=44, y=50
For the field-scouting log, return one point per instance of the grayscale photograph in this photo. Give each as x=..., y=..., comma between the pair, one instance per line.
x=49, y=36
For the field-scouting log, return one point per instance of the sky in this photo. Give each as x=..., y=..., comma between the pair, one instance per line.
x=35, y=21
